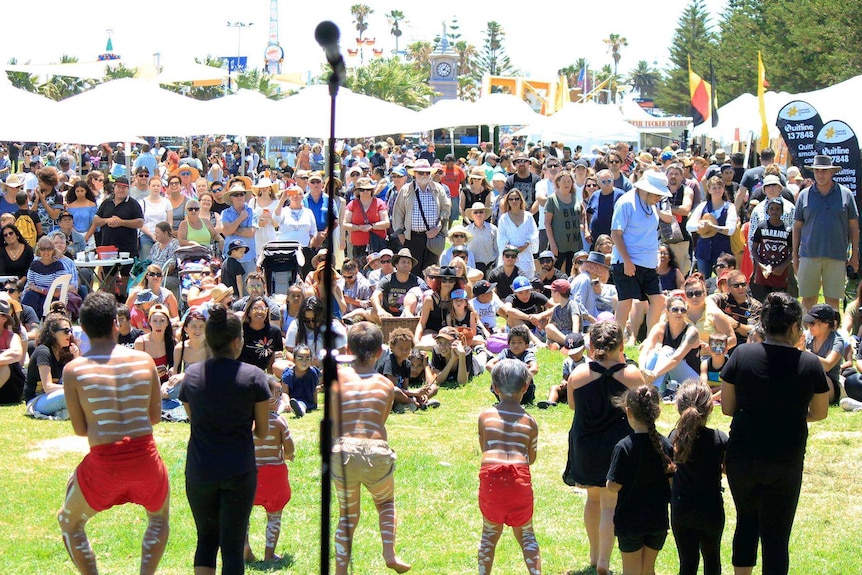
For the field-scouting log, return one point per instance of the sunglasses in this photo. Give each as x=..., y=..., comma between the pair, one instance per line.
x=739, y=285
x=513, y=199
x=546, y=260
x=309, y=320
x=552, y=166
x=143, y=175
x=193, y=209
x=695, y=293
x=238, y=195
x=66, y=330
x=462, y=236
x=510, y=256
x=580, y=262
x=386, y=261
x=347, y=278
x=154, y=274
x=591, y=185
x=302, y=358
x=606, y=181
x=9, y=234
x=614, y=162
x=174, y=183
x=522, y=161
x=719, y=266
x=9, y=290
x=678, y=310
x=448, y=280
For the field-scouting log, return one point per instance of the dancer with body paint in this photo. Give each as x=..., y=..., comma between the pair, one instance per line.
x=361, y=455
x=508, y=436
x=113, y=398
x=273, y=484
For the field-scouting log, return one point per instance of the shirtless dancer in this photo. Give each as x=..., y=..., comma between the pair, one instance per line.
x=361, y=456
x=112, y=394
x=508, y=437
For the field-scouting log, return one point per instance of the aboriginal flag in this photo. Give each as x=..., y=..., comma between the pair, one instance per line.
x=702, y=100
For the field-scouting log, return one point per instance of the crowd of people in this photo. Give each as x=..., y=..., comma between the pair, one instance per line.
x=443, y=269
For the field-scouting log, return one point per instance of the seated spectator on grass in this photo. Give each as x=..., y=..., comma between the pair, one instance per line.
x=546, y=274
x=452, y=363
x=823, y=340
x=308, y=329
x=593, y=268
x=44, y=391
x=43, y=271
x=356, y=291
x=671, y=350
x=262, y=341
x=724, y=263
x=159, y=343
x=711, y=364
x=742, y=309
x=519, y=348
x=565, y=316
x=504, y=276
x=460, y=238
x=151, y=282
x=574, y=348
x=255, y=286
x=527, y=307
x=396, y=365
x=191, y=349
x=301, y=382
x=127, y=333
x=486, y=304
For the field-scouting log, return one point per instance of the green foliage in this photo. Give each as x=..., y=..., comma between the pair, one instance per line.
x=360, y=13
x=418, y=53
x=393, y=80
x=492, y=60
x=23, y=80
x=643, y=79
x=395, y=17
x=572, y=71
x=119, y=71
x=693, y=37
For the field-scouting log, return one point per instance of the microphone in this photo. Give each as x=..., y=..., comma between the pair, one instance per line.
x=327, y=35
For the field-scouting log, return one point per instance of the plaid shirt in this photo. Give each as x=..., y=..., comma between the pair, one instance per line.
x=429, y=206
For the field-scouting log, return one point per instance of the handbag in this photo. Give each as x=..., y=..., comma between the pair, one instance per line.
x=670, y=233
x=375, y=242
x=437, y=244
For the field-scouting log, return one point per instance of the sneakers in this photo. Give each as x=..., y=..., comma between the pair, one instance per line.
x=546, y=404
x=432, y=404
x=850, y=404
x=296, y=407
x=404, y=407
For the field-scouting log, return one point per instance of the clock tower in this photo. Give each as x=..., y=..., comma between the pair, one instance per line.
x=444, y=70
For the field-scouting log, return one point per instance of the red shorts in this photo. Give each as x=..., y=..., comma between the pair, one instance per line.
x=273, y=487
x=506, y=494
x=127, y=471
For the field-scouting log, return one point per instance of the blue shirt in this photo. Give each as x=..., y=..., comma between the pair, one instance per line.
x=302, y=388
x=600, y=208
x=230, y=215
x=7, y=207
x=639, y=225
x=319, y=209
x=148, y=161
x=825, y=222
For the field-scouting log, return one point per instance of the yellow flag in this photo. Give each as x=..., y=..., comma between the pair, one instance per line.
x=761, y=89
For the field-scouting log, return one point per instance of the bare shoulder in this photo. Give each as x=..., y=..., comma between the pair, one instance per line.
x=581, y=376
x=281, y=422
x=632, y=376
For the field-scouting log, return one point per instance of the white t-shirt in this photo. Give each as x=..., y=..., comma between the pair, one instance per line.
x=296, y=225
x=155, y=212
x=487, y=312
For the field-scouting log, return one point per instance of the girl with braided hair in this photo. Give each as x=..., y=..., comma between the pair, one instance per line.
x=696, y=506
x=640, y=472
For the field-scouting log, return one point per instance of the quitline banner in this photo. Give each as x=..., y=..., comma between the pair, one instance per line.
x=800, y=123
x=838, y=140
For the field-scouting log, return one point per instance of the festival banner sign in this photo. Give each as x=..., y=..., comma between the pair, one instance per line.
x=800, y=123
x=838, y=140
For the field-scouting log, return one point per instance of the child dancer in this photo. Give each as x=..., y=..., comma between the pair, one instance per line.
x=273, y=485
x=640, y=470
x=508, y=437
x=697, y=508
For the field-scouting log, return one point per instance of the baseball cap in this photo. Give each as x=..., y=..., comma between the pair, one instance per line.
x=521, y=284
x=400, y=171
x=458, y=294
x=236, y=244
x=510, y=248
x=561, y=286
x=774, y=201
x=121, y=181
x=822, y=312
x=482, y=287
x=447, y=333
x=574, y=343
x=581, y=164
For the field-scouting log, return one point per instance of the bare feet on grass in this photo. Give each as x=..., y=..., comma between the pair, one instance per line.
x=397, y=565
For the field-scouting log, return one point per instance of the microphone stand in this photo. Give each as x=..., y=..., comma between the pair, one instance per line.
x=330, y=367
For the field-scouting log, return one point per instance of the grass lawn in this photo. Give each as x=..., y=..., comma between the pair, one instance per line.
x=439, y=519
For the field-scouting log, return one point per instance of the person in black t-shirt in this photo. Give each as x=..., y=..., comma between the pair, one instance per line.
x=504, y=275
x=262, y=341
x=639, y=472
x=390, y=295
x=526, y=307
x=127, y=334
x=772, y=390
x=228, y=405
x=696, y=506
x=120, y=217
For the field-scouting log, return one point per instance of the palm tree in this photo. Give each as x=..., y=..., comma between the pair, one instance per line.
x=615, y=42
x=360, y=13
x=259, y=81
x=643, y=79
x=606, y=75
x=419, y=53
x=119, y=71
x=61, y=87
x=395, y=18
x=467, y=87
x=392, y=80
x=23, y=80
x=573, y=71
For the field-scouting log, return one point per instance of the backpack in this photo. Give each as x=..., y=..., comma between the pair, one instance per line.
x=24, y=223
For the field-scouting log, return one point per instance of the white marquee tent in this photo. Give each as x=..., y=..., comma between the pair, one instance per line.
x=587, y=124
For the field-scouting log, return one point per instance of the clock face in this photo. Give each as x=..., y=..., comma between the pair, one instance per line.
x=444, y=69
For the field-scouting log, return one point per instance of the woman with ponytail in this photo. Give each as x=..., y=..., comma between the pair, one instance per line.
x=597, y=427
x=640, y=470
x=771, y=390
x=696, y=505
x=226, y=401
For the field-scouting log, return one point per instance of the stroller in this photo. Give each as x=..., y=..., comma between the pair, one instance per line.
x=192, y=263
x=281, y=263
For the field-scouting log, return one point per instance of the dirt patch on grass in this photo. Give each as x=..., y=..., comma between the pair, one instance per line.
x=53, y=447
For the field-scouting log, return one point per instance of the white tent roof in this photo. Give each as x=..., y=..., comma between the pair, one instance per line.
x=447, y=114
x=490, y=110
x=740, y=116
x=356, y=115
x=171, y=72
x=139, y=107
x=246, y=112
x=588, y=123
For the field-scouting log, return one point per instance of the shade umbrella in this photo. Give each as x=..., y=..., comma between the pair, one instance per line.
x=140, y=107
x=357, y=115
x=245, y=113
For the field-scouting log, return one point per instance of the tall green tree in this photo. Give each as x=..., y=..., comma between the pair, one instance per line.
x=493, y=60
x=393, y=80
x=644, y=79
x=467, y=87
x=395, y=17
x=693, y=38
x=615, y=43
